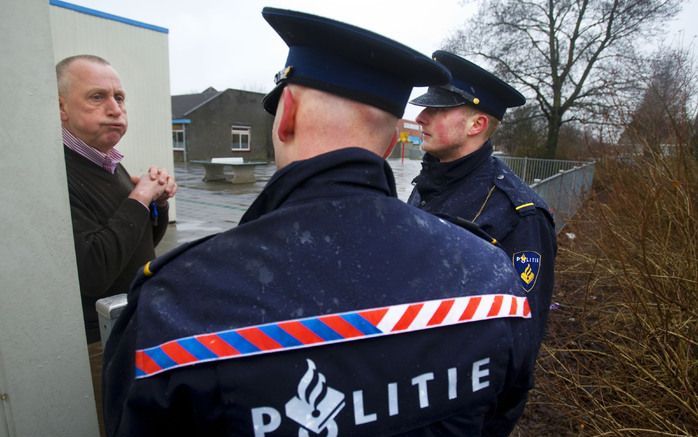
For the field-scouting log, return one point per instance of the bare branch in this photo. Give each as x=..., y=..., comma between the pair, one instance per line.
x=568, y=55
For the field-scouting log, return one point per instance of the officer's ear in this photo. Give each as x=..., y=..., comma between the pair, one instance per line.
x=477, y=124
x=287, y=120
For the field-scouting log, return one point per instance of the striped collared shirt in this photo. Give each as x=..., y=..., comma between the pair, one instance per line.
x=107, y=161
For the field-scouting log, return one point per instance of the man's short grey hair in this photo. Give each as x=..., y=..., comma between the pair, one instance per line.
x=63, y=65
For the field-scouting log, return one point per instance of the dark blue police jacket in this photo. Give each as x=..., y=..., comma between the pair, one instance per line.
x=482, y=189
x=332, y=309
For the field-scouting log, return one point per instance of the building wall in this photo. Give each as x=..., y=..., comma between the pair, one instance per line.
x=139, y=53
x=209, y=134
x=409, y=140
x=179, y=154
x=45, y=384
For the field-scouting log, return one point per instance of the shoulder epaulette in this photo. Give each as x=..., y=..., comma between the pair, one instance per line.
x=154, y=265
x=522, y=197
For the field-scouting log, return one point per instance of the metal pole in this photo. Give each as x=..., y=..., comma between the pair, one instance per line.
x=524, y=173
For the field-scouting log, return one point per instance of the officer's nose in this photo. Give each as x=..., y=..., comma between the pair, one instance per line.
x=423, y=116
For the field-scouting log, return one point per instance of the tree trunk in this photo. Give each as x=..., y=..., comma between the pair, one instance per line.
x=554, y=123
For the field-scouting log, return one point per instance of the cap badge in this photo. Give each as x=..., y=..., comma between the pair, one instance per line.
x=283, y=74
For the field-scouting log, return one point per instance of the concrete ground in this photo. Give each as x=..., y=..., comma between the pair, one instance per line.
x=204, y=208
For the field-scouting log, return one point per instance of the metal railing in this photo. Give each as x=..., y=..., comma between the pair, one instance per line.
x=532, y=169
x=565, y=191
x=562, y=184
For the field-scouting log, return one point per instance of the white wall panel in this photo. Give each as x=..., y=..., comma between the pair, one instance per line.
x=45, y=384
x=140, y=55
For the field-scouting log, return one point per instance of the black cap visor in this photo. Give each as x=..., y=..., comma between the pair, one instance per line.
x=271, y=100
x=438, y=97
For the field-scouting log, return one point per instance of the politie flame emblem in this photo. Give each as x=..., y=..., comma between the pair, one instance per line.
x=527, y=265
x=316, y=405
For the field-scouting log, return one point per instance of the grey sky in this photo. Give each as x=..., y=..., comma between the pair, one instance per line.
x=227, y=43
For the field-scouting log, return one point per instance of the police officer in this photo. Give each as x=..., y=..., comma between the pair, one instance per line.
x=461, y=178
x=333, y=308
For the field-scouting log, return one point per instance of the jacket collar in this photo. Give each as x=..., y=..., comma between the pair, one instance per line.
x=437, y=176
x=333, y=174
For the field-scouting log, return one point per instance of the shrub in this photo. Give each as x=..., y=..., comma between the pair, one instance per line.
x=620, y=357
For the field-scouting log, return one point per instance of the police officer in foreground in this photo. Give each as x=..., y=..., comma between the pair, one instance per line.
x=333, y=308
x=460, y=177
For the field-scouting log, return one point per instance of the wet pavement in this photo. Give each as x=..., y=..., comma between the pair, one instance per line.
x=205, y=208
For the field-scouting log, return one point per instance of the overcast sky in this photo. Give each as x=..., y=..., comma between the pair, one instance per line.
x=227, y=43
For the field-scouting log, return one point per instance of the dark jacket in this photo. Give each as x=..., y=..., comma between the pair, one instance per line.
x=332, y=308
x=482, y=189
x=114, y=235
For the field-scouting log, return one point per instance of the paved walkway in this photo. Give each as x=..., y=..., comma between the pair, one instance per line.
x=205, y=208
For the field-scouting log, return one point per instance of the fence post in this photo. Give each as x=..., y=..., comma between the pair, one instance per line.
x=525, y=168
x=558, y=196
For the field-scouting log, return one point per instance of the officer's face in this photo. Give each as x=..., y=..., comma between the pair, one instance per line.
x=92, y=105
x=444, y=132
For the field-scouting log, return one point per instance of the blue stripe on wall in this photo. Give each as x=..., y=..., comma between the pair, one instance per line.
x=106, y=16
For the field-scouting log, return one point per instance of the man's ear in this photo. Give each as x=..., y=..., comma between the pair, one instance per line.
x=287, y=120
x=61, y=109
x=478, y=123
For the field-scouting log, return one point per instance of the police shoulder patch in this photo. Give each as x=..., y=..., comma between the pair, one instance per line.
x=527, y=265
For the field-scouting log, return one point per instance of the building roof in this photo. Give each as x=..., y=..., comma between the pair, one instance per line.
x=184, y=104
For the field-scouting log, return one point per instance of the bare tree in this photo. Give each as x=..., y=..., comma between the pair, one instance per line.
x=663, y=120
x=570, y=55
x=523, y=134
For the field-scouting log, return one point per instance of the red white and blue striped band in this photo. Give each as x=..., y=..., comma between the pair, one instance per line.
x=326, y=329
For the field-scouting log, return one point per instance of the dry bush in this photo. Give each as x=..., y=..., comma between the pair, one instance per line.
x=621, y=353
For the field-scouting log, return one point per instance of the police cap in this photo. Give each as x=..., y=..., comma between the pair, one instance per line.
x=470, y=85
x=348, y=61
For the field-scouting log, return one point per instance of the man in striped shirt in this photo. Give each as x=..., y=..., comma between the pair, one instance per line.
x=117, y=219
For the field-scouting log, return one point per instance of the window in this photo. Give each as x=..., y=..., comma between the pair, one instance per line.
x=178, y=137
x=241, y=138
